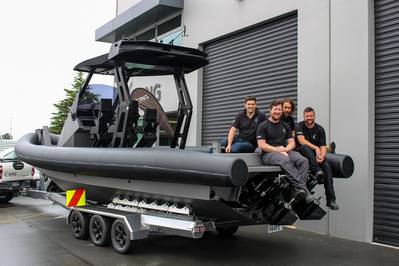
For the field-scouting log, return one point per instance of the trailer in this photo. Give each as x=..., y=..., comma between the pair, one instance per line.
x=125, y=220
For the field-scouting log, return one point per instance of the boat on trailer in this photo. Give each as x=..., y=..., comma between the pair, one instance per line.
x=103, y=150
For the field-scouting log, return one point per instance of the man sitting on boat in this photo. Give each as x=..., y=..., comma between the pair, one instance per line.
x=312, y=144
x=246, y=122
x=277, y=144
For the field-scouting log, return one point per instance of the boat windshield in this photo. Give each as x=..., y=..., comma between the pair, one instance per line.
x=90, y=98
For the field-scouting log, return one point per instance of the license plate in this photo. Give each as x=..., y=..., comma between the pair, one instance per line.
x=274, y=228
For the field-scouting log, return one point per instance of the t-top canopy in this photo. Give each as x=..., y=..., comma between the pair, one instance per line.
x=145, y=58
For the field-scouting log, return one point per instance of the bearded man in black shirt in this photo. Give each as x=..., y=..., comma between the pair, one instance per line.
x=277, y=143
x=246, y=122
x=288, y=110
x=312, y=139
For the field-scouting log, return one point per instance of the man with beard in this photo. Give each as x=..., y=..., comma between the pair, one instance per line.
x=275, y=139
x=246, y=122
x=288, y=110
x=312, y=138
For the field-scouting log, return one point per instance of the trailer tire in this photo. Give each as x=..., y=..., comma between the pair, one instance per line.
x=227, y=231
x=5, y=196
x=79, y=224
x=100, y=230
x=120, y=237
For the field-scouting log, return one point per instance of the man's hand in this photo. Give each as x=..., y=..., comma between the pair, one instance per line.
x=280, y=149
x=320, y=159
x=228, y=149
x=318, y=152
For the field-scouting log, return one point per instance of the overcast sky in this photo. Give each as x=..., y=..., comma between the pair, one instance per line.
x=41, y=41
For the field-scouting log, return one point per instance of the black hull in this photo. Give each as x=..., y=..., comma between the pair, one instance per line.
x=164, y=165
x=102, y=190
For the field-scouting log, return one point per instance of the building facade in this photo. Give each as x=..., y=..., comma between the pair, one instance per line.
x=340, y=57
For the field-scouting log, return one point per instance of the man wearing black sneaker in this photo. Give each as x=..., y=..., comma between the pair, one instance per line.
x=277, y=143
x=312, y=139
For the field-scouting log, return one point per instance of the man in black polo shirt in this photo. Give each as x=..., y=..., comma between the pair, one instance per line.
x=246, y=122
x=288, y=110
x=312, y=139
x=277, y=143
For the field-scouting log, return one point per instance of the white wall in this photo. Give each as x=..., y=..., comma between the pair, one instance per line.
x=352, y=113
x=335, y=76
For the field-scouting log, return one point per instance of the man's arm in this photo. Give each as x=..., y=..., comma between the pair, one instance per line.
x=290, y=144
x=323, y=145
x=230, y=138
x=303, y=141
x=322, y=156
x=266, y=147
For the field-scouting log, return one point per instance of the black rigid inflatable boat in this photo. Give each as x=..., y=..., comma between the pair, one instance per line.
x=103, y=150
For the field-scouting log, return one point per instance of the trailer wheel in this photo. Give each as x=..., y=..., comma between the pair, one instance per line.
x=5, y=196
x=120, y=237
x=99, y=230
x=227, y=231
x=79, y=224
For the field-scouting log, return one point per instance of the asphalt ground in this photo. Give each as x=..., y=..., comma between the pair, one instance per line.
x=34, y=232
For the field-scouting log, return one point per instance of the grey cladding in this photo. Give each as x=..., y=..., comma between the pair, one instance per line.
x=260, y=61
x=386, y=183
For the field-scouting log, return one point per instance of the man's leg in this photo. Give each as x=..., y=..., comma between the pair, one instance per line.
x=310, y=155
x=294, y=176
x=301, y=164
x=328, y=181
x=223, y=142
x=238, y=145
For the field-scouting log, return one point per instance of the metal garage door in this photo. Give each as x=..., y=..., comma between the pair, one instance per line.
x=259, y=61
x=386, y=188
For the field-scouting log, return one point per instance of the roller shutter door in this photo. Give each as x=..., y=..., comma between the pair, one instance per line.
x=386, y=185
x=260, y=61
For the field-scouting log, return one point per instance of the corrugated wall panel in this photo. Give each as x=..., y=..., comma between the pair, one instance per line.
x=260, y=61
x=386, y=188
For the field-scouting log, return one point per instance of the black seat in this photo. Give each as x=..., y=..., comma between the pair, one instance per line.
x=149, y=128
x=102, y=122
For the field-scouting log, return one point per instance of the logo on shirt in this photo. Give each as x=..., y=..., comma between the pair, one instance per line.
x=284, y=130
x=314, y=136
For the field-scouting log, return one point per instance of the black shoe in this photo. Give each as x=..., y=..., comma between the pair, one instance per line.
x=309, y=197
x=320, y=177
x=298, y=194
x=332, y=147
x=332, y=205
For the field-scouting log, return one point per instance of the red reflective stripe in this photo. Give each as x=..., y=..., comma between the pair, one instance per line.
x=76, y=197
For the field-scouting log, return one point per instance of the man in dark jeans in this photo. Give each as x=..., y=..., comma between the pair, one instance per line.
x=246, y=122
x=312, y=139
x=277, y=143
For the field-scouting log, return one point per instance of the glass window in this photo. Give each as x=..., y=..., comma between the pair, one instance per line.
x=145, y=36
x=169, y=25
x=90, y=98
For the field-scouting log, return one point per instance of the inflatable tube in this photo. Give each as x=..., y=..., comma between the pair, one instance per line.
x=165, y=165
x=342, y=165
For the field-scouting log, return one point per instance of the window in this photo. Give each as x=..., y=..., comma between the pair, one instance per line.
x=147, y=35
x=169, y=25
x=90, y=98
x=158, y=29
